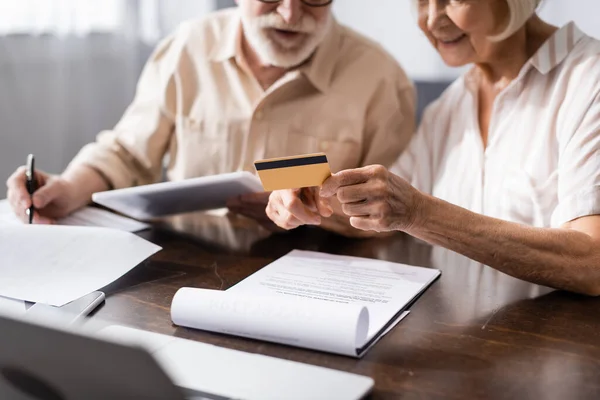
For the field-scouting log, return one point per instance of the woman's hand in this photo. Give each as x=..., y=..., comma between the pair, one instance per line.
x=375, y=199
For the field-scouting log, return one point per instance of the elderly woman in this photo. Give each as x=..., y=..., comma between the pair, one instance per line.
x=505, y=167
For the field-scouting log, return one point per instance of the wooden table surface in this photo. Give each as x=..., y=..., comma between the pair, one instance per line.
x=475, y=334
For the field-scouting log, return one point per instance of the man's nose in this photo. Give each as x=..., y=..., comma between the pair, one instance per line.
x=290, y=11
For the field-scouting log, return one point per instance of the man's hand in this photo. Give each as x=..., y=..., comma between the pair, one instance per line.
x=53, y=199
x=292, y=208
x=252, y=206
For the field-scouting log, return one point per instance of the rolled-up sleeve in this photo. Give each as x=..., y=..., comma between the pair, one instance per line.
x=132, y=153
x=579, y=170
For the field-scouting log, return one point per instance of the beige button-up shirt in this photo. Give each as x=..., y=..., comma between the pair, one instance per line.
x=198, y=110
x=541, y=166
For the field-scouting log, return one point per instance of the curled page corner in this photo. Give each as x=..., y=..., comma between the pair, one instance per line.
x=301, y=322
x=362, y=328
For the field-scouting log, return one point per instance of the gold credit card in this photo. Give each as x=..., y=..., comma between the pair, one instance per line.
x=293, y=172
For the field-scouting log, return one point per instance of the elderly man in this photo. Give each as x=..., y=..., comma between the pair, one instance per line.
x=265, y=79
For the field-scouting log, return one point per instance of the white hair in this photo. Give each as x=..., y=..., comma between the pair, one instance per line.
x=520, y=12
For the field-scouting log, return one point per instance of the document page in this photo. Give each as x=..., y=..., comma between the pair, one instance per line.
x=384, y=288
x=87, y=216
x=324, y=302
x=90, y=216
x=332, y=327
x=57, y=264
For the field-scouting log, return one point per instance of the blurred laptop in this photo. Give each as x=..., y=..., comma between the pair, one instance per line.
x=38, y=362
x=41, y=363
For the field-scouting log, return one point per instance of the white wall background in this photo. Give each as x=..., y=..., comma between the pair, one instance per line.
x=586, y=13
x=56, y=94
x=393, y=24
x=175, y=11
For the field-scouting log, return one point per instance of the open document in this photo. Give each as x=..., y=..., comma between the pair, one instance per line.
x=336, y=304
x=87, y=216
x=57, y=264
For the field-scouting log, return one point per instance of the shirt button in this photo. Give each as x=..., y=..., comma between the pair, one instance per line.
x=259, y=115
x=324, y=146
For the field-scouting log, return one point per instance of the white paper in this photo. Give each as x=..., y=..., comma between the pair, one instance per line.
x=11, y=306
x=90, y=216
x=324, y=302
x=384, y=288
x=87, y=216
x=57, y=264
x=298, y=322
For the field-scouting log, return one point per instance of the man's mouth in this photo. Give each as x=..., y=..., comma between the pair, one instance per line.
x=287, y=34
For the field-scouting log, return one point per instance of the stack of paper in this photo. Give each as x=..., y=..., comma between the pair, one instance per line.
x=87, y=216
x=57, y=264
x=319, y=301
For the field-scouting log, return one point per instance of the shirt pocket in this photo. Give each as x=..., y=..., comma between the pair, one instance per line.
x=210, y=146
x=527, y=201
x=341, y=155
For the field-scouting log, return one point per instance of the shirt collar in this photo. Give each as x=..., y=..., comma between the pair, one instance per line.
x=552, y=53
x=557, y=48
x=318, y=69
x=230, y=44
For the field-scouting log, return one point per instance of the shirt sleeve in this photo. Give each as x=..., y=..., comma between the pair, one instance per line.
x=132, y=153
x=390, y=121
x=579, y=170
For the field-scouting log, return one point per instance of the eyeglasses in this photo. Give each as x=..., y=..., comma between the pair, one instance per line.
x=310, y=3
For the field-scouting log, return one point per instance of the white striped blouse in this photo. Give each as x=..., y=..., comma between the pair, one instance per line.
x=542, y=163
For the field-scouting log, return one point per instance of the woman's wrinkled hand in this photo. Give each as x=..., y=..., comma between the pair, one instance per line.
x=375, y=199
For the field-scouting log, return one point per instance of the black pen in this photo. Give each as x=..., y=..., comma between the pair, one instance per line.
x=30, y=174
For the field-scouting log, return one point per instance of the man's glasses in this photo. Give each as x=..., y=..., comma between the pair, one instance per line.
x=311, y=3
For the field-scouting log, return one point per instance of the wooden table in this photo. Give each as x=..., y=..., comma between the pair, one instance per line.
x=475, y=334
